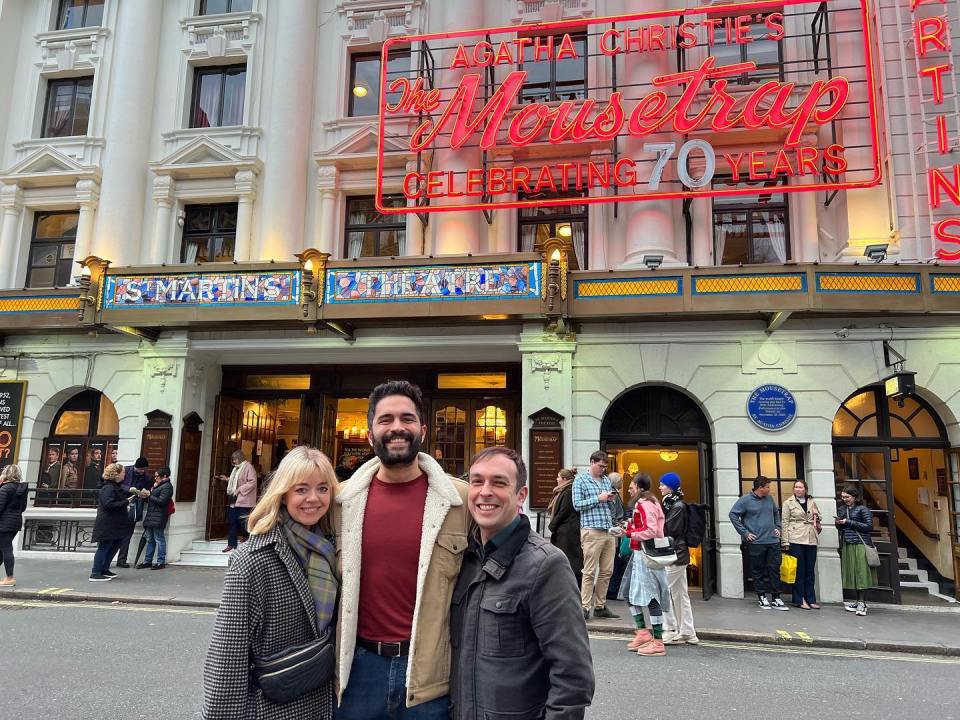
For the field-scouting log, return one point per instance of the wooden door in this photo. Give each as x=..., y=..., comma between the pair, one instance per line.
x=328, y=428
x=228, y=425
x=954, y=499
x=708, y=550
x=448, y=441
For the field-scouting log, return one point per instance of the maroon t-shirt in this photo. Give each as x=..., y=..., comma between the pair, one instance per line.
x=392, y=526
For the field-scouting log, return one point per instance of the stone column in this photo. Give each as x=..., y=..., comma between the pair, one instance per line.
x=805, y=230
x=11, y=209
x=325, y=221
x=288, y=124
x=88, y=195
x=128, y=132
x=160, y=250
x=702, y=211
x=246, y=184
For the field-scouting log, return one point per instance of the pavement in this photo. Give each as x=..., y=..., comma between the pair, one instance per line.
x=928, y=630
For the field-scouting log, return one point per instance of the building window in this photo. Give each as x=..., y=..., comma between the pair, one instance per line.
x=365, y=80
x=537, y=224
x=79, y=13
x=549, y=81
x=750, y=229
x=51, y=249
x=782, y=465
x=765, y=53
x=372, y=234
x=209, y=233
x=67, y=110
x=217, y=7
x=218, y=96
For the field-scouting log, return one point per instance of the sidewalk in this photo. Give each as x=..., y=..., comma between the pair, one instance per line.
x=903, y=628
x=887, y=628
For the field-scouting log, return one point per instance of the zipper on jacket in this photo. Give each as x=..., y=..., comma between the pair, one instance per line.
x=285, y=670
x=286, y=658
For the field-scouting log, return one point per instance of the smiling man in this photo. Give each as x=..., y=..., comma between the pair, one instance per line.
x=401, y=525
x=516, y=621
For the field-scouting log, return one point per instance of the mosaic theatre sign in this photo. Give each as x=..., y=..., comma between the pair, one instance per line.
x=642, y=134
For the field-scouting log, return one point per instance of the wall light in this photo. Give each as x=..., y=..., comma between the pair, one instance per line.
x=360, y=91
x=565, y=231
x=653, y=261
x=877, y=253
x=669, y=455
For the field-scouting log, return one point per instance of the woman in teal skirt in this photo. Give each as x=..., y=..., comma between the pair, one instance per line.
x=855, y=522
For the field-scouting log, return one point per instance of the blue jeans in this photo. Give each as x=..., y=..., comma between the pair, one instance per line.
x=236, y=524
x=803, y=588
x=377, y=691
x=156, y=540
x=106, y=549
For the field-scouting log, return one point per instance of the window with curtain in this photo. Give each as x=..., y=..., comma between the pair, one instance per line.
x=67, y=109
x=209, y=233
x=216, y=7
x=372, y=234
x=51, y=249
x=555, y=80
x=536, y=224
x=79, y=13
x=365, y=80
x=765, y=53
x=218, y=96
x=750, y=229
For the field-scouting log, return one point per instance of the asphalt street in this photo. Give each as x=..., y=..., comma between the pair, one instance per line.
x=122, y=662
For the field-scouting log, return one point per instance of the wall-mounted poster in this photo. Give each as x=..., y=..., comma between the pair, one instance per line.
x=913, y=468
x=12, y=396
x=70, y=474
x=93, y=465
x=52, y=465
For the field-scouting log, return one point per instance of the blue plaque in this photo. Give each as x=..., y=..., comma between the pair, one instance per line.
x=772, y=407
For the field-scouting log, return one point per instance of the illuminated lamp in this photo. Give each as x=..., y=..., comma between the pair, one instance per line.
x=877, y=253
x=360, y=90
x=653, y=261
x=565, y=231
x=900, y=384
x=669, y=455
x=633, y=469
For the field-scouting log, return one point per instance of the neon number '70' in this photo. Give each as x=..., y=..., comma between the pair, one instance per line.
x=664, y=152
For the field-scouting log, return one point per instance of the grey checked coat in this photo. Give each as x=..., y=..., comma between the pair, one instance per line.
x=266, y=608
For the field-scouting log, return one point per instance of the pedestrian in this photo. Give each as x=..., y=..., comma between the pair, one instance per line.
x=532, y=650
x=679, y=625
x=279, y=602
x=756, y=518
x=241, y=497
x=135, y=479
x=565, y=522
x=13, y=501
x=801, y=536
x=402, y=525
x=619, y=514
x=347, y=466
x=155, y=520
x=855, y=522
x=593, y=499
x=112, y=524
x=649, y=592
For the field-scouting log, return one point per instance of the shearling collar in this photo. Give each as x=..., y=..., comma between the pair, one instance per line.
x=437, y=479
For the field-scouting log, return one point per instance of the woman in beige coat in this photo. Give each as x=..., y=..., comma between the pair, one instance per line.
x=800, y=537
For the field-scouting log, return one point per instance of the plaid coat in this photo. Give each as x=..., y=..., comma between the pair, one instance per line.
x=266, y=608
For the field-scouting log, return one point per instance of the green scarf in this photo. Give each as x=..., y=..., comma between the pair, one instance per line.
x=316, y=556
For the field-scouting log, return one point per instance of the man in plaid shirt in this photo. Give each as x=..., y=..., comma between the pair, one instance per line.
x=593, y=498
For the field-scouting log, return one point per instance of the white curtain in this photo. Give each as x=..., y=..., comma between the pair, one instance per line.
x=720, y=233
x=528, y=237
x=778, y=237
x=579, y=241
x=190, y=256
x=354, y=245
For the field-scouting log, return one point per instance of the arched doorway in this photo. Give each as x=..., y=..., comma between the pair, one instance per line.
x=83, y=439
x=658, y=429
x=895, y=449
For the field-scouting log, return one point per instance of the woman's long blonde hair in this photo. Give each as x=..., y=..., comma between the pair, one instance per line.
x=295, y=466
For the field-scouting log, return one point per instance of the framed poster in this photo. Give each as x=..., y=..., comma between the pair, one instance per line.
x=13, y=393
x=913, y=468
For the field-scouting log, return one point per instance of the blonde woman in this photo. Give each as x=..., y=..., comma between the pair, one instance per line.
x=279, y=597
x=800, y=537
x=112, y=524
x=13, y=501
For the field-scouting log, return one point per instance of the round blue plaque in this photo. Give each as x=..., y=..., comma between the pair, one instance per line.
x=772, y=407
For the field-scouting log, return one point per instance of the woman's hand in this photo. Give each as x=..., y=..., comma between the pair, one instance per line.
x=841, y=521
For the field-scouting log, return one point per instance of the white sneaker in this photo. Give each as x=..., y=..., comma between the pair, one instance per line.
x=778, y=604
x=850, y=607
x=672, y=638
x=861, y=609
x=764, y=604
x=690, y=639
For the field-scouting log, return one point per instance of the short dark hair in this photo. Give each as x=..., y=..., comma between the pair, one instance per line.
x=761, y=481
x=598, y=456
x=395, y=387
x=164, y=472
x=141, y=462
x=854, y=491
x=507, y=453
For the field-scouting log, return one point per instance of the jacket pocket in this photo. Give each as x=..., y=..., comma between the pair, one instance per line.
x=532, y=714
x=448, y=554
x=501, y=629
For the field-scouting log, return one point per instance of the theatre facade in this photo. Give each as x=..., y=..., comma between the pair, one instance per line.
x=702, y=239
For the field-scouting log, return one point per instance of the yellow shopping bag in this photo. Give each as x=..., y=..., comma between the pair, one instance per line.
x=788, y=569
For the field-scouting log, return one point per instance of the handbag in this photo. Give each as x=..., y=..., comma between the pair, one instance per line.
x=788, y=569
x=292, y=673
x=624, y=549
x=659, y=552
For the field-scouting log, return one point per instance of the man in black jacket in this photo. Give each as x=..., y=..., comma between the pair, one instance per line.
x=134, y=478
x=515, y=620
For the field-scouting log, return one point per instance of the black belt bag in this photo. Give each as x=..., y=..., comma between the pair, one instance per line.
x=290, y=674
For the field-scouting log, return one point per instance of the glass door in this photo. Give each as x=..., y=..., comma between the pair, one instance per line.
x=228, y=422
x=708, y=550
x=869, y=468
x=955, y=517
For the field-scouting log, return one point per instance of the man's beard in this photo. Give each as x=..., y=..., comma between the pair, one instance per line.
x=389, y=458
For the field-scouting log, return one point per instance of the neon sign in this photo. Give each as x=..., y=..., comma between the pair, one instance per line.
x=653, y=134
x=931, y=35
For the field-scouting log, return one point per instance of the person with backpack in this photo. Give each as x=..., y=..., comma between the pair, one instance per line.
x=13, y=501
x=679, y=621
x=159, y=501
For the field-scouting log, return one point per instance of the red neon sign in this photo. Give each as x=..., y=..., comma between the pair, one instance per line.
x=736, y=119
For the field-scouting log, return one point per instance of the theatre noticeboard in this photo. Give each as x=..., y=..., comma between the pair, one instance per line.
x=672, y=93
x=546, y=456
x=13, y=395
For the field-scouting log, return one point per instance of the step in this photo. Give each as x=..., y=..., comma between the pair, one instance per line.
x=920, y=575
x=197, y=558
x=931, y=587
x=902, y=553
x=208, y=545
x=909, y=564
